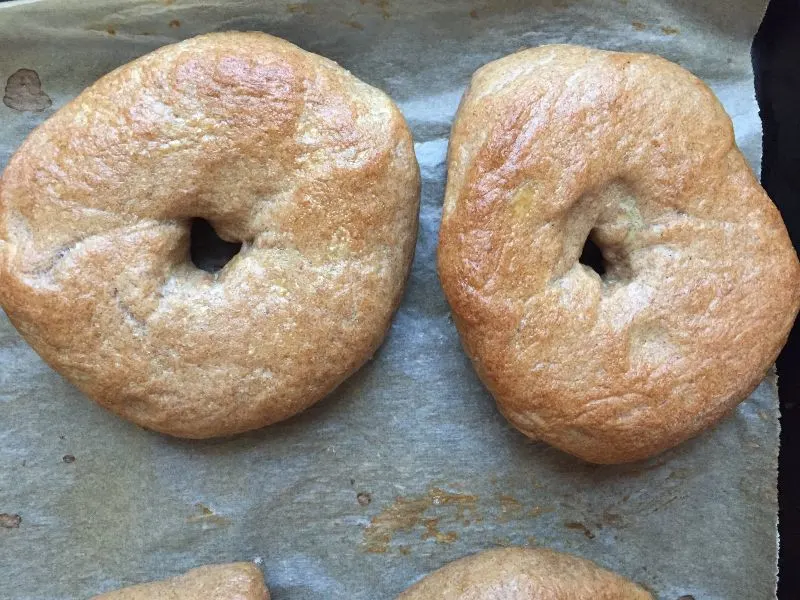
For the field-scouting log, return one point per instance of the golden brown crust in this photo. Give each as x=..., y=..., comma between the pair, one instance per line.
x=282, y=149
x=234, y=581
x=523, y=574
x=556, y=143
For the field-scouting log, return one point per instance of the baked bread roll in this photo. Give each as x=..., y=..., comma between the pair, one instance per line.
x=312, y=170
x=558, y=144
x=234, y=581
x=523, y=574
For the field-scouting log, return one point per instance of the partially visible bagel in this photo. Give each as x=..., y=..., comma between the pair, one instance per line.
x=280, y=149
x=524, y=574
x=701, y=286
x=233, y=581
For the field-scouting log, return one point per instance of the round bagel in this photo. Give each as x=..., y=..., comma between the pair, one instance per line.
x=231, y=581
x=280, y=149
x=701, y=285
x=523, y=574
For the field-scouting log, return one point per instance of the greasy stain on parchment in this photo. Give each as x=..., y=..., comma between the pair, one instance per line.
x=24, y=92
x=404, y=514
x=436, y=512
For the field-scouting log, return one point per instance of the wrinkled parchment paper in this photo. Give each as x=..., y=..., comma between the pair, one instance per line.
x=408, y=465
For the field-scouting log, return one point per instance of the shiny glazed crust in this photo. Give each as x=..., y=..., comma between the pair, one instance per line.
x=523, y=574
x=558, y=143
x=234, y=581
x=312, y=169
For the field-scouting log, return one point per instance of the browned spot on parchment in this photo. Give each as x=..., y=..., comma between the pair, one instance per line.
x=670, y=30
x=510, y=508
x=638, y=25
x=432, y=532
x=405, y=514
x=363, y=498
x=207, y=517
x=110, y=30
x=175, y=23
x=383, y=6
x=579, y=527
x=24, y=92
x=353, y=24
x=8, y=521
x=473, y=13
x=68, y=458
x=538, y=511
x=300, y=7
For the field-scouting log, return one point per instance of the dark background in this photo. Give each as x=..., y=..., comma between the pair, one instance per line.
x=776, y=61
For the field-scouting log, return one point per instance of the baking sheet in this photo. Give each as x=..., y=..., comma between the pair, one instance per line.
x=408, y=465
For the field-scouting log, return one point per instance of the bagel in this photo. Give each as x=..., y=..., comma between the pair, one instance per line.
x=557, y=144
x=234, y=581
x=312, y=170
x=523, y=574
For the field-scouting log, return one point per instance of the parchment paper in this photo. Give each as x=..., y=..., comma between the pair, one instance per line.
x=408, y=465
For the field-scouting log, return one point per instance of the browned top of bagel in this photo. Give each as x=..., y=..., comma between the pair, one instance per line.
x=283, y=150
x=234, y=581
x=558, y=143
x=523, y=574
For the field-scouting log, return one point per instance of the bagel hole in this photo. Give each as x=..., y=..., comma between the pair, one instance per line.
x=592, y=257
x=207, y=250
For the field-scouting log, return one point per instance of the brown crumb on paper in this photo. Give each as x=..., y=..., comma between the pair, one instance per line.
x=207, y=517
x=638, y=25
x=110, y=30
x=668, y=30
x=8, y=521
x=175, y=23
x=24, y=92
x=363, y=498
x=68, y=458
x=473, y=13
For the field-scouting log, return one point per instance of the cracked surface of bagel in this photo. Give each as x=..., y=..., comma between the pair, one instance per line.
x=280, y=149
x=702, y=285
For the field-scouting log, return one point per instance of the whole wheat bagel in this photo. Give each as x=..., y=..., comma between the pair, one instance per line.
x=280, y=149
x=523, y=574
x=560, y=143
x=233, y=581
